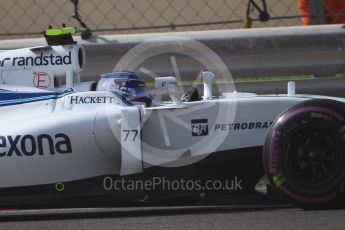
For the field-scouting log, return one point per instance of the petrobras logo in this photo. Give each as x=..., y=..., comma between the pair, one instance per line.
x=29, y=145
x=199, y=127
x=39, y=60
x=243, y=126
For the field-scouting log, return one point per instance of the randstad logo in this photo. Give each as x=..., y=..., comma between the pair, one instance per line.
x=39, y=60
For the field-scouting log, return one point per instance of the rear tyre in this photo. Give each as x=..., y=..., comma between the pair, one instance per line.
x=304, y=154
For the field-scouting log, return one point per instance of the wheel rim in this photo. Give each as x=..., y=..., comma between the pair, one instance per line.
x=313, y=155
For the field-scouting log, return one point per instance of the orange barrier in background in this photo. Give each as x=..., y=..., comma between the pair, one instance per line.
x=331, y=10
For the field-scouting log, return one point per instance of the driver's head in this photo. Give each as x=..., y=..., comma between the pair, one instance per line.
x=129, y=84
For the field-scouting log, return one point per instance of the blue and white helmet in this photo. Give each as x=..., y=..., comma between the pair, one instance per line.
x=129, y=84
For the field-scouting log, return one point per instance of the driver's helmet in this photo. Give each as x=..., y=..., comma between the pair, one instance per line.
x=129, y=84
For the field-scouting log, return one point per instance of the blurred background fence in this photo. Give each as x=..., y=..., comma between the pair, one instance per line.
x=27, y=18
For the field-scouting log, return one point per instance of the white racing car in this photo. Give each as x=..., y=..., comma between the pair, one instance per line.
x=62, y=140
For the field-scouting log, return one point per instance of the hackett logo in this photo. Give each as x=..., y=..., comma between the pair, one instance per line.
x=40, y=60
x=29, y=145
x=91, y=100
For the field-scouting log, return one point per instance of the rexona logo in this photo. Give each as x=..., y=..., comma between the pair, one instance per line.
x=29, y=145
x=199, y=127
x=40, y=60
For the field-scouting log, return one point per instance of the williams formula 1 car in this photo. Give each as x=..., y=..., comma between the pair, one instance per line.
x=63, y=140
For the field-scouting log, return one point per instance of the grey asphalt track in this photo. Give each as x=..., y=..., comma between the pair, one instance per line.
x=227, y=217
